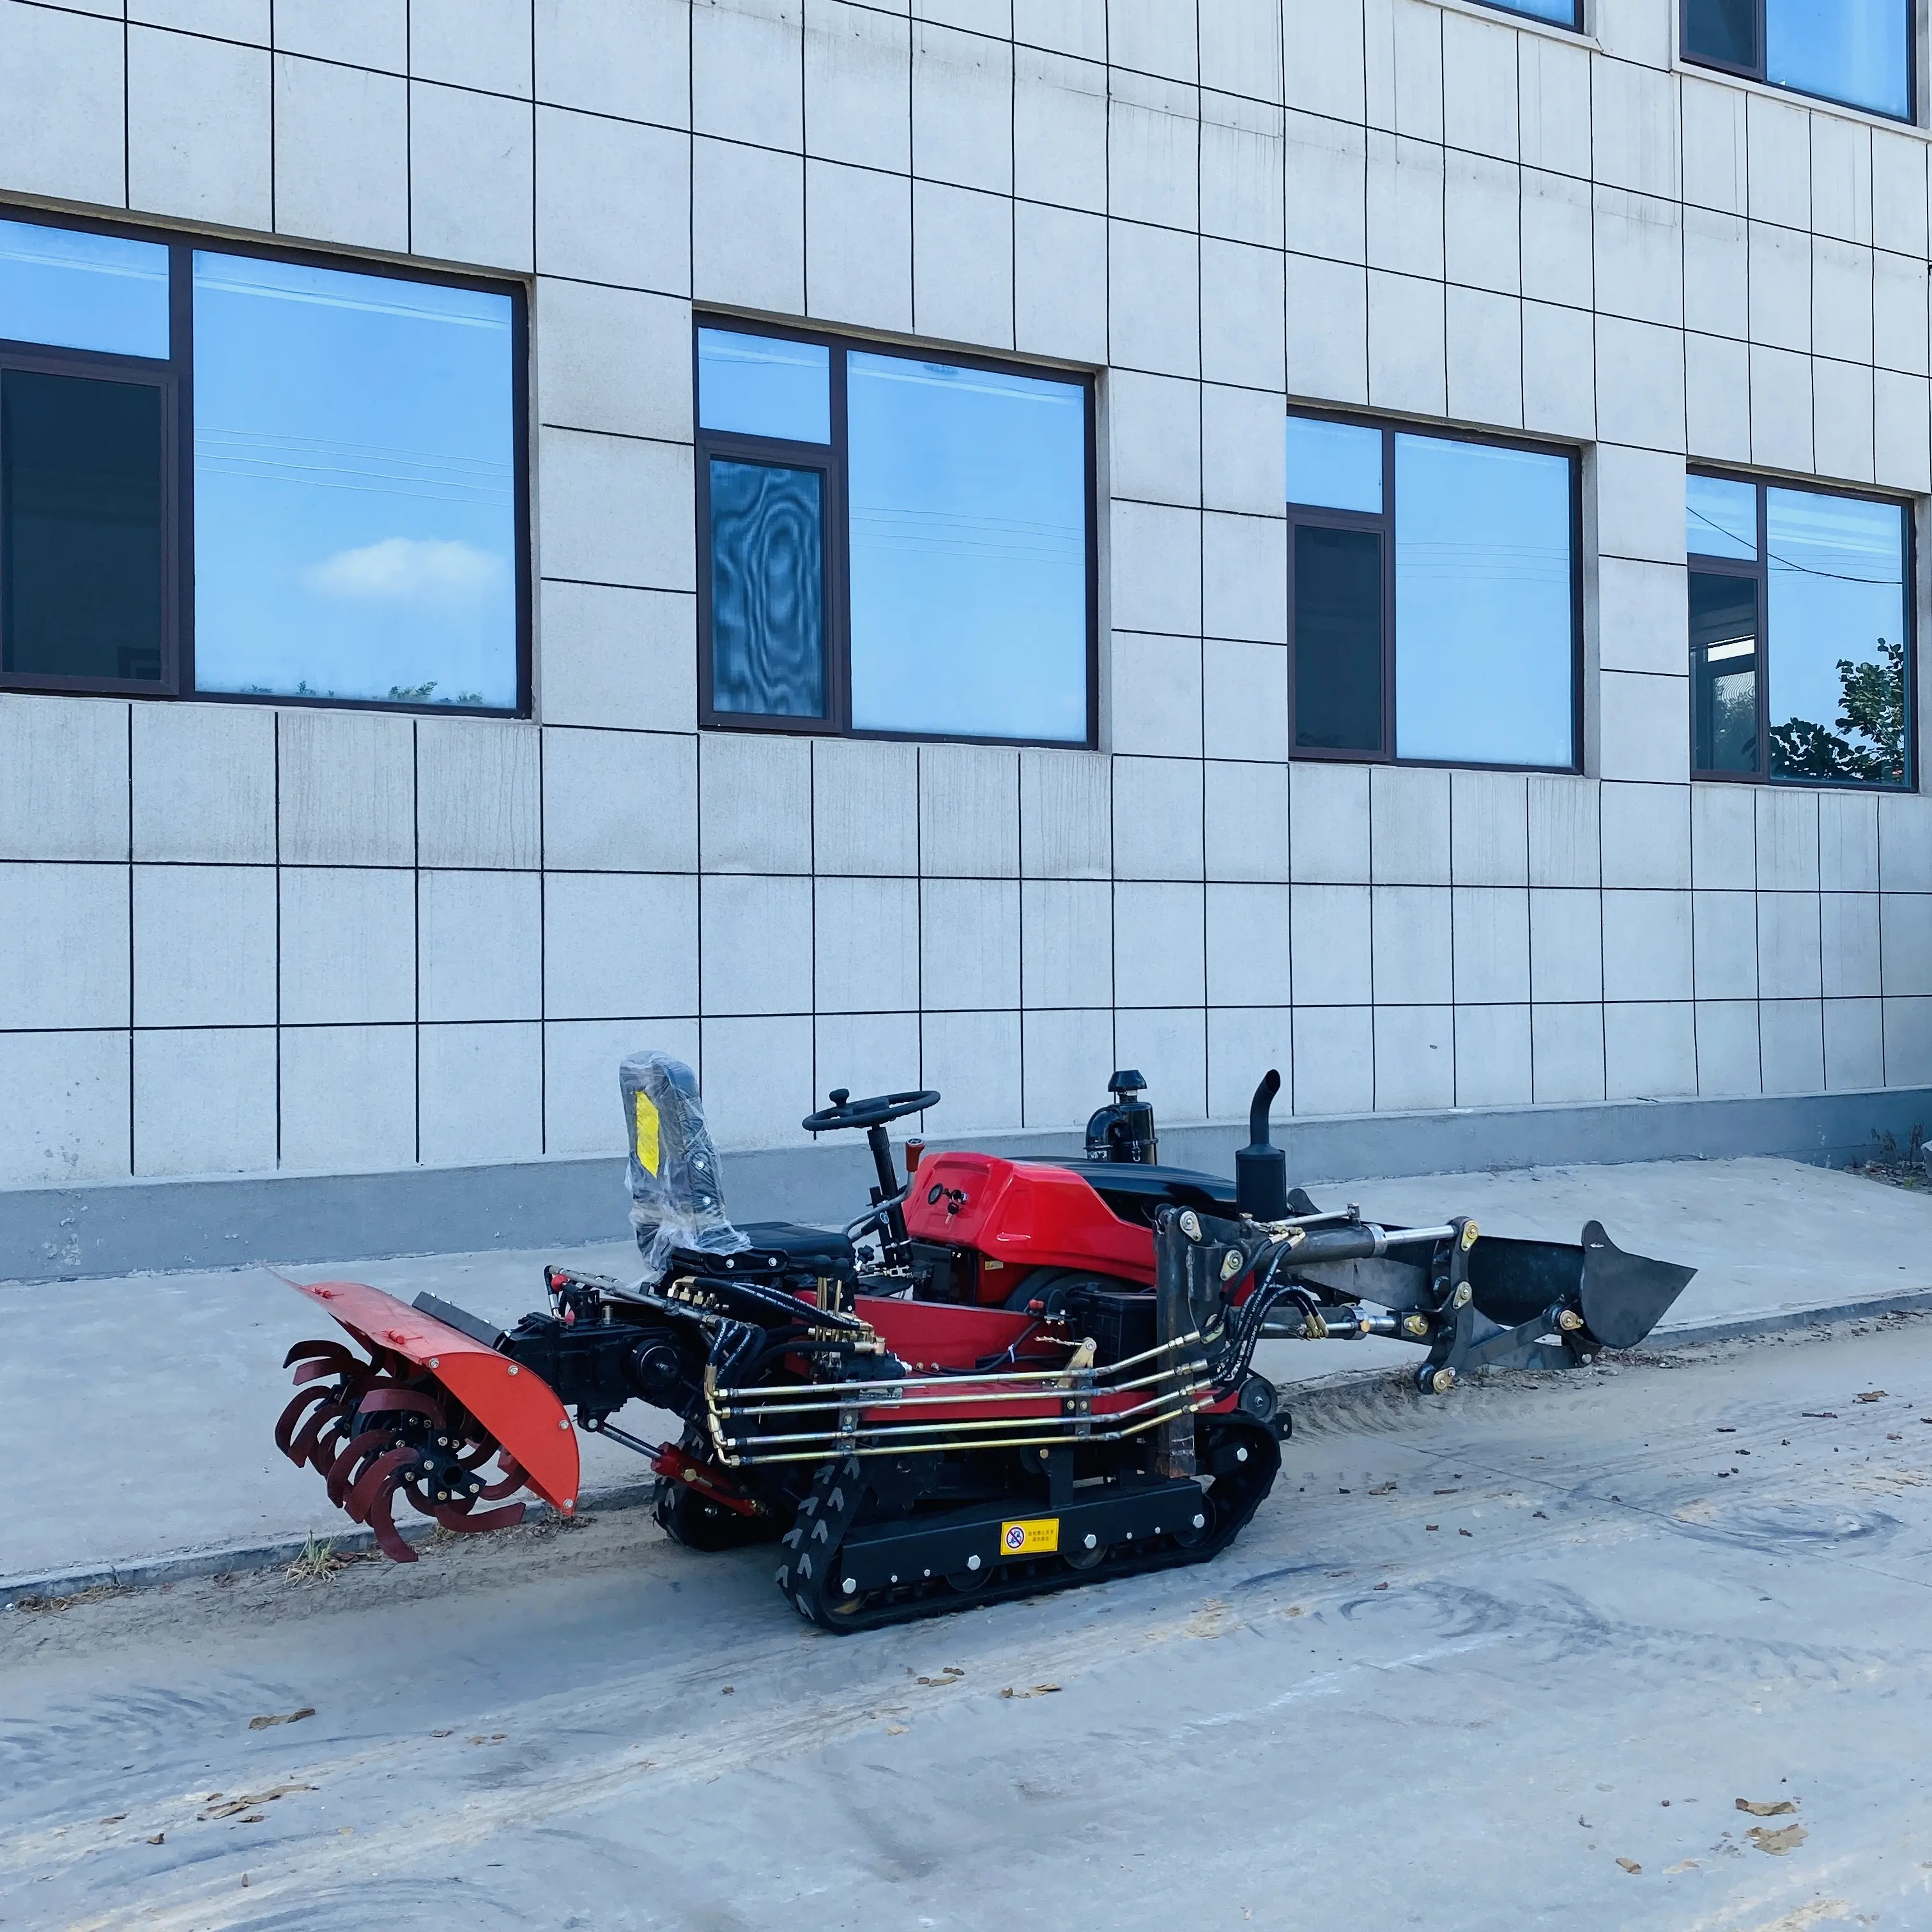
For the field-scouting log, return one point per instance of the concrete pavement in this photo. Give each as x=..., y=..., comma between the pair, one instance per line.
x=136, y=1410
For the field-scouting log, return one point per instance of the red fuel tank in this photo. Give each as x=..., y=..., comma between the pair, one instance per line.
x=1024, y=1216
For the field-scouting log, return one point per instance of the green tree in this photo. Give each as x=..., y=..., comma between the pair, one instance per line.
x=1871, y=704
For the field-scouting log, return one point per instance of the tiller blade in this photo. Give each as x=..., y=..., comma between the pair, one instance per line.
x=418, y=1418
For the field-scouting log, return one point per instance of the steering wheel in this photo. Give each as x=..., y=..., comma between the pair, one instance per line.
x=845, y=1111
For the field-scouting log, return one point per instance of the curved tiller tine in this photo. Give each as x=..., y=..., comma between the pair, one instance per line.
x=315, y=1443
x=404, y=1401
x=382, y=1475
x=320, y=1371
x=285, y=1423
x=512, y=1481
x=350, y=1465
x=389, y=1539
x=336, y=1354
x=458, y=1517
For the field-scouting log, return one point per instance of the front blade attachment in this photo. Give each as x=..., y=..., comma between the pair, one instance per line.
x=430, y=1404
x=1625, y=1296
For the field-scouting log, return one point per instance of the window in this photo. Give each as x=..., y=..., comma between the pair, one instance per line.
x=1559, y=13
x=1858, y=52
x=892, y=544
x=1433, y=597
x=239, y=475
x=87, y=400
x=1799, y=613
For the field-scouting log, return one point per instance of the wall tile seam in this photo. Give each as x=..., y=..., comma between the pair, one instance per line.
x=1196, y=508
x=1446, y=146
x=275, y=51
x=605, y=583
x=118, y=1028
x=624, y=435
x=1198, y=382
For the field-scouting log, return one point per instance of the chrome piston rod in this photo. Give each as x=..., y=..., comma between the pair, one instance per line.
x=1361, y=1240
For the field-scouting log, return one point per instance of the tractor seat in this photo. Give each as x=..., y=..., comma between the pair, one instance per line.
x=824, y=1248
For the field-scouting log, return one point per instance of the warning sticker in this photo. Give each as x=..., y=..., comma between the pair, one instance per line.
x=647, y=1132
x=1030, y=1538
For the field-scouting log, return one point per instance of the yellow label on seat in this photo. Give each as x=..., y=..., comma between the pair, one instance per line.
x=647, y=1132
x=1030, y=1538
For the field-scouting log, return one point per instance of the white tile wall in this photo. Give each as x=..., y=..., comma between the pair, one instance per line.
x=372, y=33
x=204, y=946
x=205, y=1100
x=63, y=950
x=236, y=938
x=347, y=946
x=64, y=784
x=198, y=132
x=481, y=1090
x=472, y=165
x=71, y=1119
x=342, y=157
x=348, y=1097
x=479, y=945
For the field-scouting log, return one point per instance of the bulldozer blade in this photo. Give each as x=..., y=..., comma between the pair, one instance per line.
x=1625, y=1296
x=1622, y=1297
x=516, y=1408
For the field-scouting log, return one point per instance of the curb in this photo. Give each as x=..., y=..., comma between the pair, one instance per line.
x=146, y=1573
x=1909, y=1301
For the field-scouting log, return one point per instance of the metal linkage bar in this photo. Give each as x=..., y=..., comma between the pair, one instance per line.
x=916, y=1439
x=1077, y=1381
x=1041, y=1381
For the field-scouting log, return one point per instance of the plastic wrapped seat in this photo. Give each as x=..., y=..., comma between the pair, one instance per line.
x=676, y=1199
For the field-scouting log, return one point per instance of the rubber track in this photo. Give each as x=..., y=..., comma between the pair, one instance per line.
x=805, y=1578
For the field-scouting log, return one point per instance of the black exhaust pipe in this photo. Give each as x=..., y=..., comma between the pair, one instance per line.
x=1261, y=1168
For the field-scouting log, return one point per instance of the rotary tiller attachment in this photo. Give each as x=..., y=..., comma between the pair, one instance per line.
x=419, y=1416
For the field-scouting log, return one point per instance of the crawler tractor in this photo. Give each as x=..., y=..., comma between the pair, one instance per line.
x=1008, y=1375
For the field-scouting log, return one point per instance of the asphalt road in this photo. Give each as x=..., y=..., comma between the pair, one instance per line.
x=1506, y=1659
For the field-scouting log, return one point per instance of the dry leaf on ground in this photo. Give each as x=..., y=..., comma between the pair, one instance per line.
x=293, y=1718
x=1782, y=1808
x=249, y=1802
x=1777, y=1842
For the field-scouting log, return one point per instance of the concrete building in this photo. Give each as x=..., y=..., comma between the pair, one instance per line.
x=960, y=544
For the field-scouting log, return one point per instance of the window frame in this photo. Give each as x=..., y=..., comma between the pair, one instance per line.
x=176, y=375
x=1759, y=73
x=1759, y=571
x=1384, y=523
x=1574, y=24
x=830, y=458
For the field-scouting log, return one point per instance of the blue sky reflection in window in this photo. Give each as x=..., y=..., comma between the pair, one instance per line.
x=354, y=486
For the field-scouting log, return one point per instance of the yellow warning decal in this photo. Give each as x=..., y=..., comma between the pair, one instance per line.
x=1030, y=1538
x=647, y=1133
